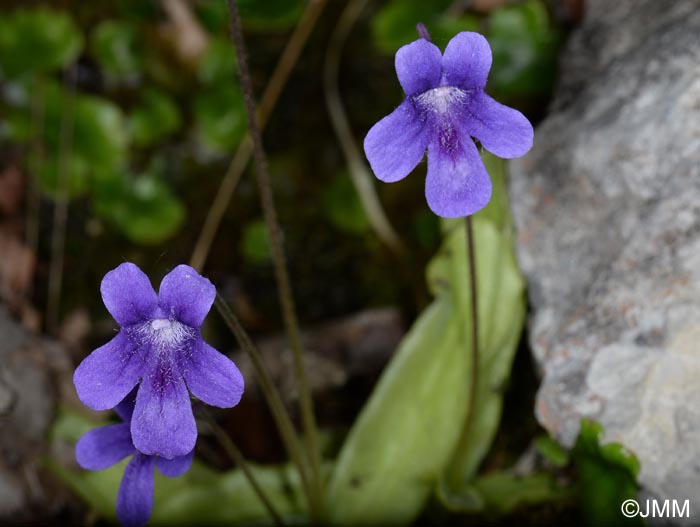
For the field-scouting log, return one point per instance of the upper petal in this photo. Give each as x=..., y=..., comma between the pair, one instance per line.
x=163, y=423
x=186, y=295
x=128, y=295
x=457, y=183
x=176, y=466
x=212, y=377
x=467, y=61
x=103, y=447
x=135, y=496
x=397, y=143
x=502, y=130
x=108, y=374
x=418, y=66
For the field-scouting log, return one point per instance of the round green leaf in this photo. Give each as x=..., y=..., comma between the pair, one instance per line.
x=342, y=206
x=218, y=63
x=143, y=208
x=525, y=48
x=220, y=117
x=37, y=40
x=395, y=24
x=98, y=145
x=155, y=118
x=255, y=244
x=115, y=45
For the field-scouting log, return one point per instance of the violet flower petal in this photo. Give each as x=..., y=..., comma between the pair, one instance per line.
x=176, y=466
x=108, y=374
x=163, y=423
x=128, y=295
x=395, y=145
x=103, y=447
x=212, y=377
x=467, y=61
x=457, y=183
x=186, y=295
x=502, y=130
x=135, y=497
x=418, y=66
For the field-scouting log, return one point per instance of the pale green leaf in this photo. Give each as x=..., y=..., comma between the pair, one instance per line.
x=408, y=429
x=501, y=318
x=411, y=433
x=201, y=496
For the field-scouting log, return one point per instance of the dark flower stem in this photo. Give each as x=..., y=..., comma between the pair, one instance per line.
x=279, y=261
x=471, y=258
x=237, y=457
x=268, y=101
x=60, y=211
x=274, y=400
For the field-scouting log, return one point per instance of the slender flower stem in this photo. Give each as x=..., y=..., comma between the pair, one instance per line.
x=279, y=261
x=277, y=81
x=471, y=257
x=237, y=457
x=455, y=476
x=60, y=216
x=274, y=400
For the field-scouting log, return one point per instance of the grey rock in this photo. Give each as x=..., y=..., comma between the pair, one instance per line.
x=607, y=207
x=354, y=346
x=28, y=396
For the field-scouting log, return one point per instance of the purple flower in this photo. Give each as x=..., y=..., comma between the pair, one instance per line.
x=159, y=346
x=103, y=447
x=445, y=107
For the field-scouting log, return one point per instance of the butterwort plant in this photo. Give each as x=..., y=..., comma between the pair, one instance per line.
x=160, y=350
x=108, y=445
x=445, y=107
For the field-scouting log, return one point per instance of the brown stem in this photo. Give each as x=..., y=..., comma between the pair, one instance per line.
x=274, y=400
x=237, y=457
x=279, y=262
x=279, y=78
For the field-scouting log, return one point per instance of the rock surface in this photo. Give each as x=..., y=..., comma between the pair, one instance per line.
x=355, y=346
x=607, y=207
x=28, y=397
